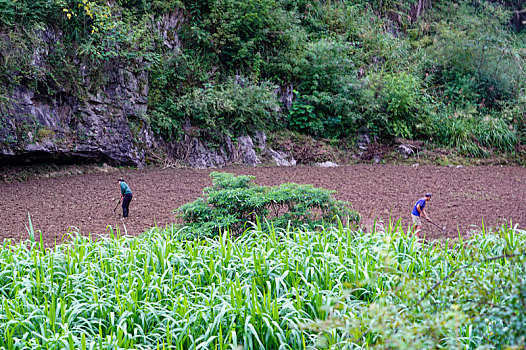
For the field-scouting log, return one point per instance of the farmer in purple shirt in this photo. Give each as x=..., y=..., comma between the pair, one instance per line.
x=418, y=210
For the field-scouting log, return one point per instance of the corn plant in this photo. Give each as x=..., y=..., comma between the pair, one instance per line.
x=264, y=289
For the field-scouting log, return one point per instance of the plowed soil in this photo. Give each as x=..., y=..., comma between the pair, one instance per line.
x=462, y=197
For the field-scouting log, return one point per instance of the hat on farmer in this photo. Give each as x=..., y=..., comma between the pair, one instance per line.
x=428, y=194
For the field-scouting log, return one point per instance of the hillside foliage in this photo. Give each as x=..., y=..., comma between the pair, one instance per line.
x=450, y=73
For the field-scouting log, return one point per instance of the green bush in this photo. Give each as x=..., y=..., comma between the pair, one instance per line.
x=473, y=59
x=231, y=108
x=27, y=12
x=495, y=132
x=400, y=106
x=302, y=117
x=232, y=201
x=166, y=120
x=458, y=131
x=216, y=110
x=141, y=7
x=171, y=77
x=237, y=34
x=326, y=81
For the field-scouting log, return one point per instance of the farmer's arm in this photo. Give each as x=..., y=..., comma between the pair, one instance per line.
x=425, y=214
x=422, y=211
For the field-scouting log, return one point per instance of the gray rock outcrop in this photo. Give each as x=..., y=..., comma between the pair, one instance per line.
x=103, y=121
x=327, y=164
x=106, y=126
x=408, y=147
x=246, y=150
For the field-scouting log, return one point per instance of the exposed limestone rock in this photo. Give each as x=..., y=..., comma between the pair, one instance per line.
x=405, y=150
x=280, y=157
x=243, y=151
x=363, y=140
x=106, y=121
x=247, y=154
x=168, y=26
x=327, y=165
x=106, y=124
x=286, y=95
x=408, y=147
x=200, y=157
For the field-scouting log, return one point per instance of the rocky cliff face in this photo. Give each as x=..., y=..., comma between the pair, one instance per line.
x=107, y=121
x=103, y=123
x=247, y=150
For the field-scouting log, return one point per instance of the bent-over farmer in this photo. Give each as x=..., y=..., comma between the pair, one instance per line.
x=126, y=197
x=418, y=211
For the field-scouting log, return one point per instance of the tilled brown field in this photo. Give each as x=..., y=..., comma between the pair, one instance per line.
x=462, y=197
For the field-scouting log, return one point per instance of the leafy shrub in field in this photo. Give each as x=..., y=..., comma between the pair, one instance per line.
x=232, y=201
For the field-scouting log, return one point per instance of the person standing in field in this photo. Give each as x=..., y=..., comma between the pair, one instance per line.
x=418, y=211
x=126, y=197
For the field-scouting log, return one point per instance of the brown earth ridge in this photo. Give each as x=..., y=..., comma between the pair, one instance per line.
x=462, y=197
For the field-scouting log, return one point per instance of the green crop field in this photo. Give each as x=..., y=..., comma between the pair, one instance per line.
x=265, y=289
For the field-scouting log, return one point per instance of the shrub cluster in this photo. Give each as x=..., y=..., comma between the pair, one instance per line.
x=232, y=201
x=227, y=109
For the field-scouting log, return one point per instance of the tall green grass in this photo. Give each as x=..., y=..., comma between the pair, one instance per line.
x=474, y=135
x=279, y=290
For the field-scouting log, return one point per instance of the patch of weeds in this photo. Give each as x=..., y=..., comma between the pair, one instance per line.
x=307, y=149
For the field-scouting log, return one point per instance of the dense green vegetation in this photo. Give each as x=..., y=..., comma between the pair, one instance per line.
x=280, y=289
x=232, y=201
x=447, y=72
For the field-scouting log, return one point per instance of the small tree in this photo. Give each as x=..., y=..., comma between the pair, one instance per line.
x=234, y=200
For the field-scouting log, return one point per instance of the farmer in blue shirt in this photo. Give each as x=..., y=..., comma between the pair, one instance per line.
x=126, y=197
x=418, y=210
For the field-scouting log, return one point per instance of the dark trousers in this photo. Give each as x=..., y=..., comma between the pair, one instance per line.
x=125, y=204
